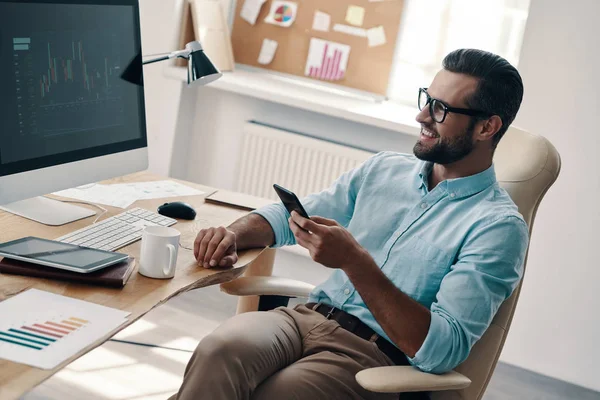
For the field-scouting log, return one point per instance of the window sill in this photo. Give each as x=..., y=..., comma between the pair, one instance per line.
x=306, y=96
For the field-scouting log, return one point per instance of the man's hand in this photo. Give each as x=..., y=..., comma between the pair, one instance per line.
x=215, y=247
x=328, y=242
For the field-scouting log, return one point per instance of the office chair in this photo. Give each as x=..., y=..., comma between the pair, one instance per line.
x=526, y=167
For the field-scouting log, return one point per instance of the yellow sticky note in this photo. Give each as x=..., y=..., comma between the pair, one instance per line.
x=355, y=15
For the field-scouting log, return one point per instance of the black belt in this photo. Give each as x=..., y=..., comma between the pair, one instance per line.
x=360, y=329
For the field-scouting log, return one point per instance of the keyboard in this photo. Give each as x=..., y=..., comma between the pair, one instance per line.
x=117, y=231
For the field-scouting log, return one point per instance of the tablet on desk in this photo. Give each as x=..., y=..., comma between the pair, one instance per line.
x=59, y=255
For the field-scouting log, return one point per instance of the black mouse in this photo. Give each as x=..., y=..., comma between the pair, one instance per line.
x=177, y=209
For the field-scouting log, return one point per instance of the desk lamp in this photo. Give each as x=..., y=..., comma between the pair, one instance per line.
x=201, y=70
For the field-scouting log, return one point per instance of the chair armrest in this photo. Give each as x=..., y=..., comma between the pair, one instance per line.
x=267, y=285
x=402, y=379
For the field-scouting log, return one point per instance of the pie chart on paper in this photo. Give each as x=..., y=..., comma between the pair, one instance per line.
x=283, y=14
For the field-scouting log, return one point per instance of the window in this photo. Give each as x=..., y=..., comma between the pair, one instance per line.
x=430, y=29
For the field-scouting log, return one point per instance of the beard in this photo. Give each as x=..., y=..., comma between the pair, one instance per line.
x=447, y=151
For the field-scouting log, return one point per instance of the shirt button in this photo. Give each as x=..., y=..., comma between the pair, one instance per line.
x=347, y=292
x=452, y=195
x=423, y=205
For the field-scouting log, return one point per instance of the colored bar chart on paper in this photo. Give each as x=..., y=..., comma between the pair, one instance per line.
x=46, y=336
x=39, y=336
x=327, y=60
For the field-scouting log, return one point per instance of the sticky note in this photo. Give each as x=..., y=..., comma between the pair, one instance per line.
x=251, y=9
x=321, y=21
x=350, y=30
x=355, y=15
x=376, y=36
x=267, y=51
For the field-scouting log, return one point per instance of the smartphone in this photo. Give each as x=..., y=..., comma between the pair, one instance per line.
x=290, y=201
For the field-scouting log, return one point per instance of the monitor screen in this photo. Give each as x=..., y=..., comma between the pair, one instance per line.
x=61, y=93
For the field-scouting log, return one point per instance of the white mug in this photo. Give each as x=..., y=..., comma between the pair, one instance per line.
x=158, y=257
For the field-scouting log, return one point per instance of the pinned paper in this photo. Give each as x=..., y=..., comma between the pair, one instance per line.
x=350, y=30
x=267, y=51
x=327, y=60
x=376, y=36
x=321, y=21
x=283, y=13
x=250, y=10
x=355, y=15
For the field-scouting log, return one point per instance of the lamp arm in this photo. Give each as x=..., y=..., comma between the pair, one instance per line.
x=176, y=54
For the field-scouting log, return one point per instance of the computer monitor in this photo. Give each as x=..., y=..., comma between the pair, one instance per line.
x=66, y=116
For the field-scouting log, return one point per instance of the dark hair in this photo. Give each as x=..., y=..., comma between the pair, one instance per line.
x=500, y=88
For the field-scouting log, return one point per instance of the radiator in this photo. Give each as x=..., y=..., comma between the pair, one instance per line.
x=299, y=163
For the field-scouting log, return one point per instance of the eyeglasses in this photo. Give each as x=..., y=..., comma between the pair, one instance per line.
x=438, y=109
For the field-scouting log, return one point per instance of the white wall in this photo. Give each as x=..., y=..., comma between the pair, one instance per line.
x=159, y=32
x=557, y=325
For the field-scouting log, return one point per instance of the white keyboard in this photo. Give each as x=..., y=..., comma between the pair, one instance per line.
x=118, y=231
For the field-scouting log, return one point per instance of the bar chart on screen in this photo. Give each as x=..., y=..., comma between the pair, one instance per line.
x=46, y=336
x=327, y=60
x=61, y=76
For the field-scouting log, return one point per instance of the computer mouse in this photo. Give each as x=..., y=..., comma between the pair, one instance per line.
x=177, y=209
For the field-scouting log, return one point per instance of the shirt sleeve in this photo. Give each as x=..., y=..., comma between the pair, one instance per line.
x=337, y=203
x=488, y=269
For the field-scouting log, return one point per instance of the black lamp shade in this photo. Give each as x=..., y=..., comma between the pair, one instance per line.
x=201, y=70
x=133, y=73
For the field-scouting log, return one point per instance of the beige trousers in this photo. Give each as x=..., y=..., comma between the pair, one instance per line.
x=280, y=354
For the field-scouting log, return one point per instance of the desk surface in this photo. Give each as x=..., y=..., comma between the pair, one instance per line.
x=139, y=296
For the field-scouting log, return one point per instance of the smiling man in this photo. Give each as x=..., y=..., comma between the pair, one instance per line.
x=424, y=248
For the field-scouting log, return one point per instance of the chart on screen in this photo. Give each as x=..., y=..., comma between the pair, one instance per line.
x=61, y=76
x=43, y=329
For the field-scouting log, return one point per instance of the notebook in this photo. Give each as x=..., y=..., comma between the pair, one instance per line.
x=238, y=200
x=113, y=276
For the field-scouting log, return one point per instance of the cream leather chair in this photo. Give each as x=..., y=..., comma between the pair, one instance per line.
x=526, y=166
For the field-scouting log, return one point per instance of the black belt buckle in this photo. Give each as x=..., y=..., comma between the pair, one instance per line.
x=330, y=313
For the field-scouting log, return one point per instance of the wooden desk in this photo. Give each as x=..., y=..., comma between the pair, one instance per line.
x=141, y=294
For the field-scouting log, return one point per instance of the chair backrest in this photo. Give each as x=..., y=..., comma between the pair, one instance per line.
x=526, y=167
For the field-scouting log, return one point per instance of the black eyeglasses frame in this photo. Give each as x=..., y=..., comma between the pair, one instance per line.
x=465, y=111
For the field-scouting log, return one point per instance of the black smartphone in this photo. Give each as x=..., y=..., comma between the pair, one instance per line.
x=290, y=201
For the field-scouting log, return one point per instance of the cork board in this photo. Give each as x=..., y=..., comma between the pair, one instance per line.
x=368, y=67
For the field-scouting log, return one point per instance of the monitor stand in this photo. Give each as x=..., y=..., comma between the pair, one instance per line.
x=47, y=211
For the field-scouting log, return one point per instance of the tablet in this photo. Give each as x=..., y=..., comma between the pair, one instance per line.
x=59, y=255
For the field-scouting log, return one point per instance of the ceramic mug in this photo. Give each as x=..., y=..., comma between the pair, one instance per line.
x=160, y=246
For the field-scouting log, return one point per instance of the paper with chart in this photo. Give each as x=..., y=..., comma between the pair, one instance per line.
x=327, y=60
x=123, y=195
x=44, y=329
x=283, y=13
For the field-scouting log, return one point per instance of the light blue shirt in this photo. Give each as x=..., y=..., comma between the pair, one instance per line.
x=458, y=249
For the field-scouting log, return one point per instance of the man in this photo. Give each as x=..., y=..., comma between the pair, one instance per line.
x=425, y=249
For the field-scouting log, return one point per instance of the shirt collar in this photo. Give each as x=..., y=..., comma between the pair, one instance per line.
x=459, y=187
x=423, y=176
